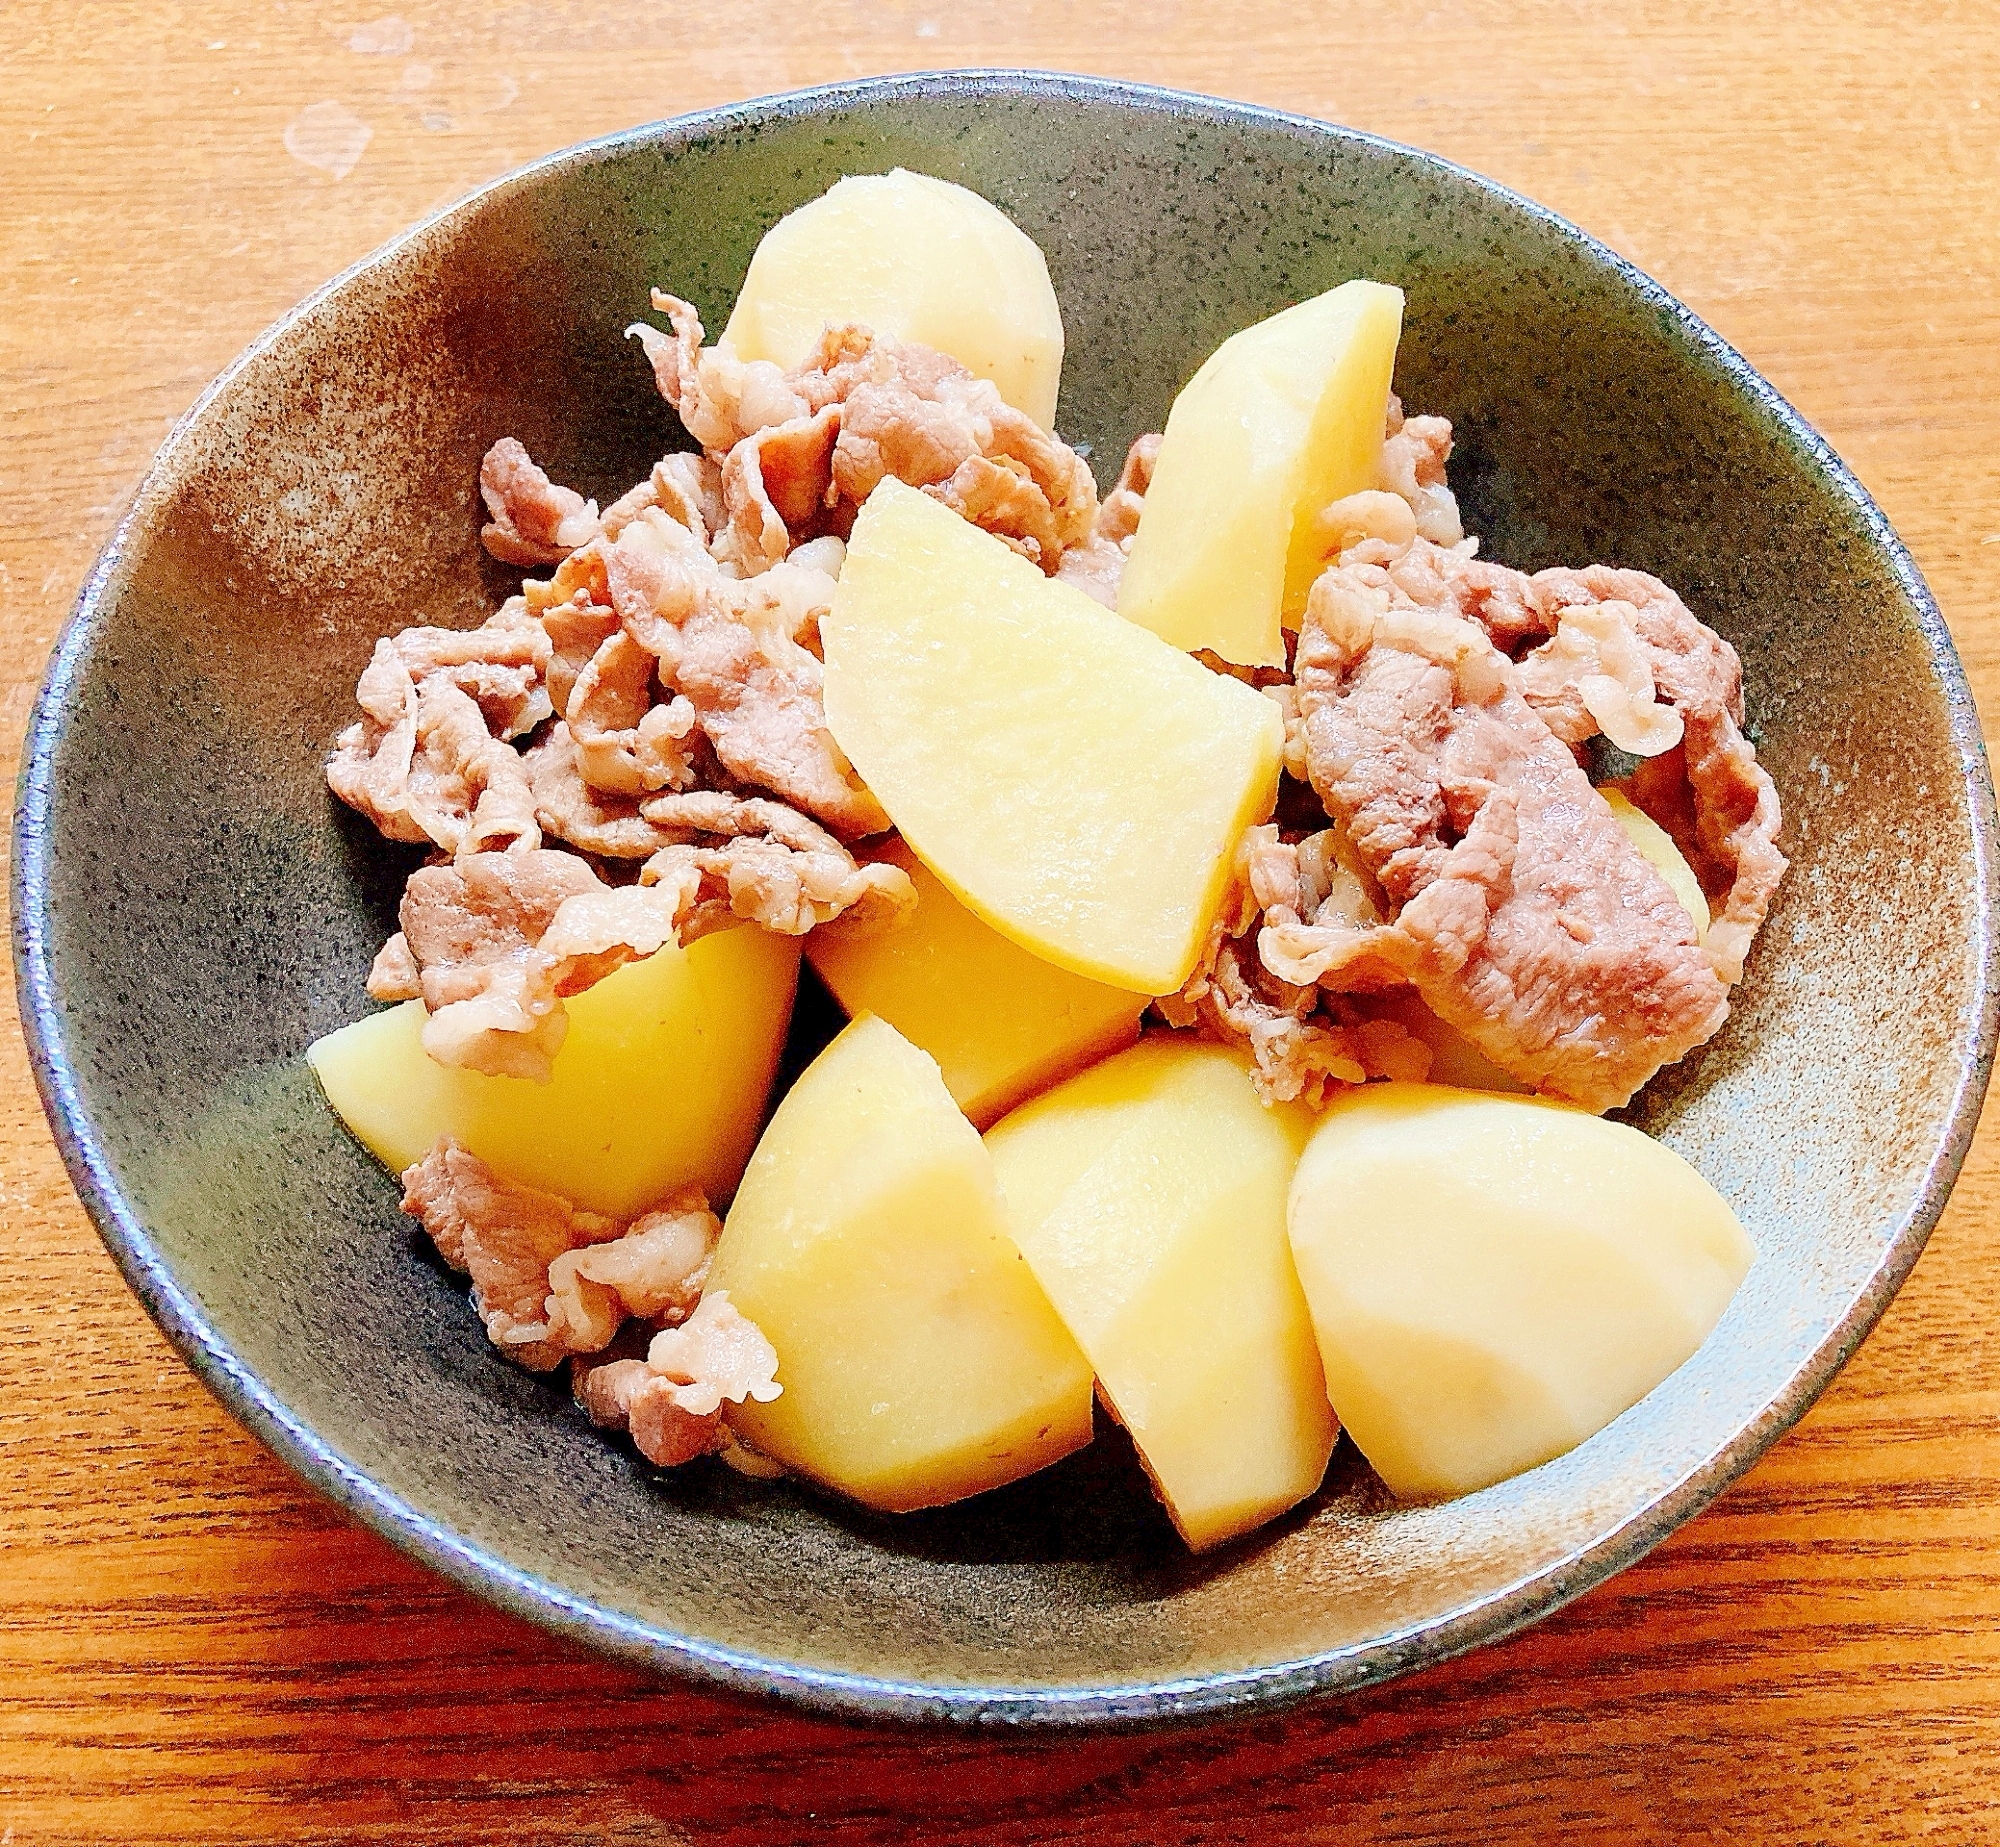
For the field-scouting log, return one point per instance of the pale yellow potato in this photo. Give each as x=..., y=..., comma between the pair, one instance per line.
x=1283, y=419
x=1001, y=1023
x=660, y=1085
x=920, y=1360
x=1149, y=1196
x=1494, y=1279
x=1657, y=846
x=916, y=259
x=1076, y=782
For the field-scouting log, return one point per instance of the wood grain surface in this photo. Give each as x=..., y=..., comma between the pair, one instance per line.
x=193, y=1648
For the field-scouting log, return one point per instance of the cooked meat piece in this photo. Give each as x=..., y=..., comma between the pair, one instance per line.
x=1721, y=807
x=500, y=938
x=628, y=1395
x=887, y=409
x=551, y=1281
x=896, y=425
x=689, y=485
x=500, y=665
x=1371, y=516
x=719, y=398
x=733, y=651
x=422, y=764
x=1414, y=452
x=920, y=416
x=505, y=1236
x=1728, y=827
x=1118, y=518
x=425, y=761
x=576, y=625
x=774, y=867
x=1285, y=696
x=655, y=573
x=654, y=1270
x=1594, y=675
x=394, y=975
x=757, y=696
x=823, y=557
x=473, y=929
x=1520, y=909
x=1452, y=579
x=612, y=693
x=686, y=486
x=569, y=809
x=532, y=520
x=777, y=491
x=1097, y=565
x=1296, y=1046
x=1620, y=654
x=459, y=766
x=1300, y=1038
x=672, y=1401
x=1303, y=889
x=628, y=741
x=578, y=579
x=1624, y=657
x=604, y=1388
x=1000, y=498
x=718, y=1353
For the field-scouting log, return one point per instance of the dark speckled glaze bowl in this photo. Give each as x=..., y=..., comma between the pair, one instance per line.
x=191, y=908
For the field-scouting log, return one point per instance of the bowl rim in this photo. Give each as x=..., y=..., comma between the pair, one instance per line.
x=1489, y=1617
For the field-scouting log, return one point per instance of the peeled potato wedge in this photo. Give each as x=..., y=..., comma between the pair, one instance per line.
x=1493, y=1279
x=916, y=259
x=1283, y=419
x=660, y=1084
x=920, y=1360
x=1002, y=1024
x=1149, y=1196
x=1076, y=782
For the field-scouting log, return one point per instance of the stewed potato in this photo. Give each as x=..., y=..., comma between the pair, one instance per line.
x=1002, y=1024
x=660, y=1085
x=1149, y=1196
x=1283, y=419
x=920, y=1360
x=1494, y=1279
x=1076, y=782
x=913, y=258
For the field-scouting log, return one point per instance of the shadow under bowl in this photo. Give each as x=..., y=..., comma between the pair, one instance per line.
x=191, y=908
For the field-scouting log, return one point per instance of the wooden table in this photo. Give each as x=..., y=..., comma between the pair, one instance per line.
x=195, y=1648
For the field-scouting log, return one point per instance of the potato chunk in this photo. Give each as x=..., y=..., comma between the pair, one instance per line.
x=914, y=258
x=1494, y=1279
x=1001, y=1023
x=1283, y=419
x=660, y=1084
x=1149, y=1196
x=1075, y=781
x=920, y=1359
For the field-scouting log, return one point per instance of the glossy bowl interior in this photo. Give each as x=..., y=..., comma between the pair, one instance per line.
x=192, y=908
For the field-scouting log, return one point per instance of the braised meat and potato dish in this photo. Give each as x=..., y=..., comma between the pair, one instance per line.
x=1246, y=898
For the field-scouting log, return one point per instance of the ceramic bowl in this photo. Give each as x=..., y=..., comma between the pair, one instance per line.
x=191, y=908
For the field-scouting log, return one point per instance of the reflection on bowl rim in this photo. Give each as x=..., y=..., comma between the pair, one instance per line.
x=1487, y=1618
